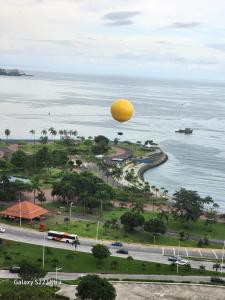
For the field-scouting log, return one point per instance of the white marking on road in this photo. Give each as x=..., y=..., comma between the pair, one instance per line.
x=215, y=254
x=200, y=252
x=163, y=251
x=174, y=253
x=186, y=252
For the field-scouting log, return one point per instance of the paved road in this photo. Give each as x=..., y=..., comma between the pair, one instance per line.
x=137, y=251
x=71, y=276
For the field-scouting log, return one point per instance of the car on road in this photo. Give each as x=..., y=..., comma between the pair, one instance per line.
x=117, y=244
x=217, y=280
x=2, y=230
x=14, y=269
x=173, y=258
x=122, y=251
x=181, y=262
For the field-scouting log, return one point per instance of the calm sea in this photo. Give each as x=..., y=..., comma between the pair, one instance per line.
x=83, y=103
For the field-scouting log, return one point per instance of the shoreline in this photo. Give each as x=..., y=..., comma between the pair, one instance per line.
x=161, y=159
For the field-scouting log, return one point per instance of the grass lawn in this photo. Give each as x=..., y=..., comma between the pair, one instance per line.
x=200, y=229
x=70, y=261
x=88, y=228
x=31, y=148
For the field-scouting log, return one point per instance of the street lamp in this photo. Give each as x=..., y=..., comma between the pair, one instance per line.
x=20, y=212
x=178, y=257
x=96, y=239
x=43, y=253
x=221, y=269
x=56, y=272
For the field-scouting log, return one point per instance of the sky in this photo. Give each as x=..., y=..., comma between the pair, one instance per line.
x=148, y=38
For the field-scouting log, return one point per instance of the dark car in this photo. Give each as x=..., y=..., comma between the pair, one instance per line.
x=217, y=279
x=14, y=269
x=117, y=244
x=173, y=258
x=122, y=251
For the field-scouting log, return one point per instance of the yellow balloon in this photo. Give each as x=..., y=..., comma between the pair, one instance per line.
x=122, y=110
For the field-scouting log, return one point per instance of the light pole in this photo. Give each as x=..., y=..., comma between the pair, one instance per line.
x=20, y=212
x=71, y=204
x=221, y=269
x=96, y=239
x=178, y=257
x=43, y=253
x=56, y=273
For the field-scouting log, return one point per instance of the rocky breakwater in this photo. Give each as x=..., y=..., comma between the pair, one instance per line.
x=151, y=161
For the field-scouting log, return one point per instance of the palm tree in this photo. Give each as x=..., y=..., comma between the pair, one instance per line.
x=76, y=242
x=216, y=266
x=44, y=132
x=138, y=207
x=114, y=264
x=61, y=132
x=51, y=130
x=35, y=186
x=7, y=133
x=54, y=133
x=202, y=268
x=32, y=131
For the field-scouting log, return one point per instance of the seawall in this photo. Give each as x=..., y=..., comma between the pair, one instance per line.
x=156, y=160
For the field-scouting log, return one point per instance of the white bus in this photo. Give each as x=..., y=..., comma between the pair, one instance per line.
x=62, y=236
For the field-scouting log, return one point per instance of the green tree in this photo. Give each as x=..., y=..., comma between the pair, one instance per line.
x=41, y=196
x=114, y=264
x=76, y=243
x=35, y=186
x=216, y=266
x=19, y=159
x=7, y=133
x=155, y=226
x=92, y=287
x=100, y=252
x=189, y=205
x=130, y=220
x=138, y=206
x=32, y=131
x=30, y=271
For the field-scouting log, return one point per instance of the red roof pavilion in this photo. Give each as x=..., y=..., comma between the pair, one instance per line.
x=25, y=210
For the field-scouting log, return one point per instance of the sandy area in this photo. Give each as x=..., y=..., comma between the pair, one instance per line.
x=168, y=292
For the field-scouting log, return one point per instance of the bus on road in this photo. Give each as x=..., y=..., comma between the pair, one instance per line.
x=62, y=237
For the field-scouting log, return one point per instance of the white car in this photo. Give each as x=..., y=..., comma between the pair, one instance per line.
x=182, y=262
x=2, y=229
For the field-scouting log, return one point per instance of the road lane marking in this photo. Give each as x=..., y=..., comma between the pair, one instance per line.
x=186, y=252
x=163, y=251
x=215, y=254
x=174, y=253
x=200, y=252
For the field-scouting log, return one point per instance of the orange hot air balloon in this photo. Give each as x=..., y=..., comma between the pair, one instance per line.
x=122, y=110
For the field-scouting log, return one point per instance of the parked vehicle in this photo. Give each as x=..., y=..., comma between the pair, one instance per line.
x=217, y=279
x=173, y=258
x=117, y=244
x=182, y=262
x=122, y=251
x=14, y=269
x=2, y=230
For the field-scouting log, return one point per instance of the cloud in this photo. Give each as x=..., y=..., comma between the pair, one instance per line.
x=217, y=46
x=186, y=25
x=57, y=42
x=120, y=23
x=120, y=18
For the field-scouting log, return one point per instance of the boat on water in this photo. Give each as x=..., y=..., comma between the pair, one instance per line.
x=186, y=131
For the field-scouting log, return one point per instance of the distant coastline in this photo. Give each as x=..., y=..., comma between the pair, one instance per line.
x=12, y=72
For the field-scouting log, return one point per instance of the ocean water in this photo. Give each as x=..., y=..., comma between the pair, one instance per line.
x=82, y=103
